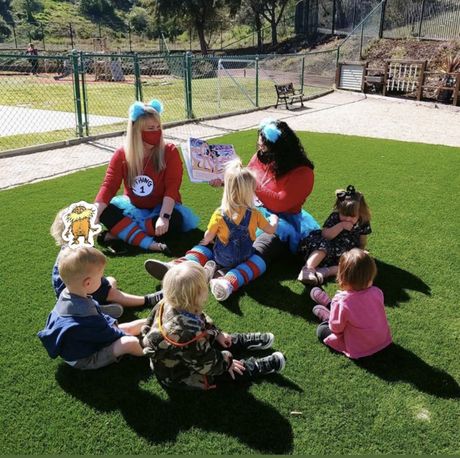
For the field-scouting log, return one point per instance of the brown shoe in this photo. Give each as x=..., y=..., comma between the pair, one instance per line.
x=310, y=276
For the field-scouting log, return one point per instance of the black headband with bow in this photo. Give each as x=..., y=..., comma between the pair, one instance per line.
x=350, y=192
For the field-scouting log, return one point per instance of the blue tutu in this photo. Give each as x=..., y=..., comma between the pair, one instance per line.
x=140, y=215
x=292, y=227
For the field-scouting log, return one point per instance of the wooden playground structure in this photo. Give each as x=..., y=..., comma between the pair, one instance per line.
x=400, y=78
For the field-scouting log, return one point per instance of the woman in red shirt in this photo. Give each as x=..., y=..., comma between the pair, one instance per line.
x=285, y=179
x=151, y=172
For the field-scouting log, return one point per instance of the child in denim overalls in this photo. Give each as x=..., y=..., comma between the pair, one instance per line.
x=233, y=226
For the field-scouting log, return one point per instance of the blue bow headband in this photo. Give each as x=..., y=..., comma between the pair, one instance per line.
x=138, y=109
x=268, y=128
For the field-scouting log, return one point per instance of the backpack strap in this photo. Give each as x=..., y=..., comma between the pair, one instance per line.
x=246, y=218
x=230, y=224
x=171, y=341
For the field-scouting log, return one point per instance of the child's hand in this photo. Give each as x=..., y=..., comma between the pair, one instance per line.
x=224, y=339
x=347, y=226
x=238, y=367
x=273, y=220
x=161, y=226
x=216, y=183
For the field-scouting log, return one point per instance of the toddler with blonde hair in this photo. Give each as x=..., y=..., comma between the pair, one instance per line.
x=110, y=299
x=186, y=349
x=228, y=241
x=77, y=329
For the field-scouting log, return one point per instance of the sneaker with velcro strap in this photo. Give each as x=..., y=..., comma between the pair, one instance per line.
x=252, y=341
x=256, y=367
x=152, y=299
x=321, y=312
x=320, y=296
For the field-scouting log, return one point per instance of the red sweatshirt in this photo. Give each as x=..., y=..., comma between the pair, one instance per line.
x=149, y=188
x=285, y=194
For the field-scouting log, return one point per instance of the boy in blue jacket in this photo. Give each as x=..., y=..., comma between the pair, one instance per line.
x=77, y=330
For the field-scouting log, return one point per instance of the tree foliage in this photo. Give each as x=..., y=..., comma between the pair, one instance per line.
x=25, y=9
x=5, y=11
x=96, y=9
x=201, y=15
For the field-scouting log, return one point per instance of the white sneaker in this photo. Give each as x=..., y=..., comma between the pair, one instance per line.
x=210, y=268
x=221, y=288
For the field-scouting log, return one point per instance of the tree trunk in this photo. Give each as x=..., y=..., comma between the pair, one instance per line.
x=274, y=33
x=201, y=37
x=258, y=24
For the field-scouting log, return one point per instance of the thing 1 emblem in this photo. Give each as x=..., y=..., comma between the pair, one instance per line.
x=143, y=186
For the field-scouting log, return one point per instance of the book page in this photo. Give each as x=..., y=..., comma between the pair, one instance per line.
x=206, y=162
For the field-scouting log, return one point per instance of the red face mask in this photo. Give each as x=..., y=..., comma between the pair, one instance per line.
x=152, y=137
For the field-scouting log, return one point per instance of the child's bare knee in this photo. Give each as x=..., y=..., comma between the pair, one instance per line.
x=112, y=281
x=128, y=345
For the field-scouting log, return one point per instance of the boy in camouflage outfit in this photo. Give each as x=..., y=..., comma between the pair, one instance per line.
x=186, y=350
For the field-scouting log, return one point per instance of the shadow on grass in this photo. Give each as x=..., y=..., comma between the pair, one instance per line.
x=395, y=364
x=230, y=410
x=268, y=290
x=177, y=243
x=394, y=282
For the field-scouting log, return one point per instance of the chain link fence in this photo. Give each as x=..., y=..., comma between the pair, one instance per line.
x=428, y=19
x=353, y=48
x=55, y=98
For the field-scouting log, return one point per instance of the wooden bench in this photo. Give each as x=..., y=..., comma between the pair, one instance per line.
x=287, y=93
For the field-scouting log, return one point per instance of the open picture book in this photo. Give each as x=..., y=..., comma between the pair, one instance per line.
x=205, y=162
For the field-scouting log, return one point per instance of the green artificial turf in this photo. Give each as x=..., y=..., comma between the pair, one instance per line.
x=403, y=401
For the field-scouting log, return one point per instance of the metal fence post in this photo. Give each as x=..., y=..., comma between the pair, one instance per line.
x=422, y=12
x=333, y=17
x=257, y=81
x=84, y=93
x=137, y=78
x=76, y=93
x=361, y=42
x=382, y=18
x=302, y=74
x=188, y=84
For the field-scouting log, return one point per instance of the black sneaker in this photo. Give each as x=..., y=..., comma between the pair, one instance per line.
x=252, y=341
x=157, y=269
x=152, y=299
x=263, y=366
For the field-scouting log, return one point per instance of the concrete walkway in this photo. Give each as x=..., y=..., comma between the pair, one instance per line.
x=339, y=112
x=30, y=120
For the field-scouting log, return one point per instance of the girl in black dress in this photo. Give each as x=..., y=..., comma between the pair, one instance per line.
x=346, y=227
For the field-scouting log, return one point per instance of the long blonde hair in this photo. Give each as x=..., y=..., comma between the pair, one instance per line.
x=57, y=228
x=185, y=287
x=239, y=189
x=134, y=147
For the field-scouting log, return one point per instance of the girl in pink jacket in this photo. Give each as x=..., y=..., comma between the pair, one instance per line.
x=356, y=323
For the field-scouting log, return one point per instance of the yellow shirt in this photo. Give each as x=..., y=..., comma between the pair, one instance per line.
x=217, y=224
